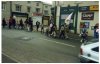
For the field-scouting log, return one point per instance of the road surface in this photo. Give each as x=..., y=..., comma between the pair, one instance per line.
x=34, y=47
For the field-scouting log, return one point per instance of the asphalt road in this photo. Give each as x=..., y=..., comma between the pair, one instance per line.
x=34, y=47
x=6, y=59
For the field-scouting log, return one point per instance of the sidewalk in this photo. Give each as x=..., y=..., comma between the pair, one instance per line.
x=70, y=35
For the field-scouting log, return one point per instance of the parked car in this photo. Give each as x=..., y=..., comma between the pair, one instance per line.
x=89, y=51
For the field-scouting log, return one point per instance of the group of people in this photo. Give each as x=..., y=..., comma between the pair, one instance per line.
x=84, y=33
x=12, y=23
x=52, y=31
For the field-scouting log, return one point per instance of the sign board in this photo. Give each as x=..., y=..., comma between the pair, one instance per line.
x=94, y=7
x=84, y=8
x=37, y=14
x=89, y=8
x=87, y=16
x=84, y=23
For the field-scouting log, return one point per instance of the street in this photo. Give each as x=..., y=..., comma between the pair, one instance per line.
x=34, y=47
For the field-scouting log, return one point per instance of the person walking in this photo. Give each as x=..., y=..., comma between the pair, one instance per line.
x=42, y=28
x=37, y=25
x=3, y=22
x=51, y=28
x=10, y=22
x=96, y=32
x=54, y=31
x=84, y=37
x=62, y=32
x=30, y=24
x=83, y=34
x=21, y=24
x=14, y=23
x=26, y=23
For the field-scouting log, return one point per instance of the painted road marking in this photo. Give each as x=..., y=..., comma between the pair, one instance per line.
x=11, y=58
x=58, y=42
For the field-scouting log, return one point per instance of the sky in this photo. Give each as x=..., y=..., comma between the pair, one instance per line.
x=47, y=1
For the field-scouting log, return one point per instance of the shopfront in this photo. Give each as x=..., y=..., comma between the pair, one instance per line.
x=64, y=13
x=88, y=16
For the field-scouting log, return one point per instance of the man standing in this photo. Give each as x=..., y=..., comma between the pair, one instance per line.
x=42, y=28
x=30, y=24
x=96, y=31
x=62, y=31
x=14, y=23
x=10, y=22
x=21, y=24
x=3, y=22
x=37, y=25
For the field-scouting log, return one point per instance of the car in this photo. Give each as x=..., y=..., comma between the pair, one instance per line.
x=89, y=51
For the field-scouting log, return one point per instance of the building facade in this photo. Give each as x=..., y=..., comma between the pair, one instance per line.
x=84, y=13
x=6, y=10
x=24, y=9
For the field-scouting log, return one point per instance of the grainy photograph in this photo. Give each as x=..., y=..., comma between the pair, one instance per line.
x=50, y=31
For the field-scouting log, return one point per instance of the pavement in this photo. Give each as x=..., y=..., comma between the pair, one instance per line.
x=70, y=35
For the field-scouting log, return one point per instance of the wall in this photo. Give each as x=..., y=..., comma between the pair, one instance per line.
x=6, y=12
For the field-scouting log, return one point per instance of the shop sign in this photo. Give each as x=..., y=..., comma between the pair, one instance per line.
x=94, y=7
x=87, y=16
x=84, y=8
x=37, y=14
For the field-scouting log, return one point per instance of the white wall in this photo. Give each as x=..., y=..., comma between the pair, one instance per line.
x=37, y=18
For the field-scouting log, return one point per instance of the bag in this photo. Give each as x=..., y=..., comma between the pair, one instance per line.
x=62, y=28
x=28, y=28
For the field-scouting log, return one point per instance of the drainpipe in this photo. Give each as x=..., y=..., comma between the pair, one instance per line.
x=55, y=13
x=11, y=8
x=42, y=12
x=76, y=19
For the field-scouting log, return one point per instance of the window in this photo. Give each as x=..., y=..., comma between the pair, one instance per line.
x=46, y=12
x=18, y=7
x=46, y=6
x=28, y=9
x=37, y=10
x=96, y=49
x=37, y=4
x=28, y=2
x=3, y=5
